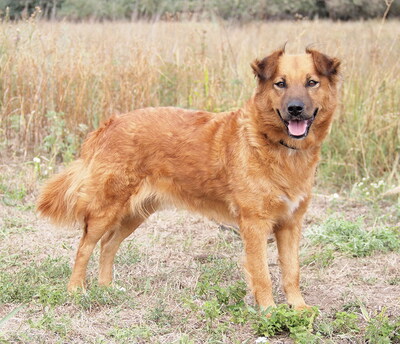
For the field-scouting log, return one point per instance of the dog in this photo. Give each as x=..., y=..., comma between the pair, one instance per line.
x=253, y=167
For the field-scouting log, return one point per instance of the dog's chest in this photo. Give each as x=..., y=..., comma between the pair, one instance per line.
x=292, y=204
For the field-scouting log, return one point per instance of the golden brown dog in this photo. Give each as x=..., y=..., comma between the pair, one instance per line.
x=254, y=167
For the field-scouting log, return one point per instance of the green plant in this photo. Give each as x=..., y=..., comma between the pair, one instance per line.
x=60, y=143
x=12, y=225
x=213, y=272
x=211, y=310
x=11, y=195
x=127, y=334
x=128, y=254
x=368, y=189
x=160, y=315
x=50, y=321
x=351, y=238
x=323, y=258
x=42, y=167
x=96, y=296
x=345, y=322
x=43, y=283
x=282, y=319
x=381, y=330
x=185, y=339
x=394, y=280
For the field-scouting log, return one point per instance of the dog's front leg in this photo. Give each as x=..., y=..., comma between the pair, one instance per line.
x=288, y=234
x=255, y=233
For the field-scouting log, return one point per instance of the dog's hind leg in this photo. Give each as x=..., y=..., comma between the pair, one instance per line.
x=93, y=231
x=110, y=243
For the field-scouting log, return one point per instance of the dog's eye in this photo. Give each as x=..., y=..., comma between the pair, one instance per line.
x=312, y=83
x=280, y=84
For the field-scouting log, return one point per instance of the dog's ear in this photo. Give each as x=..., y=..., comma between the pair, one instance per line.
x=324, y=64
x=266, y=68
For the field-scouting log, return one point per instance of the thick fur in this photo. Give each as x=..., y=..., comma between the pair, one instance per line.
x=240, y=167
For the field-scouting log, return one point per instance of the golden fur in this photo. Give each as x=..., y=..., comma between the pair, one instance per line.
x=245, y=167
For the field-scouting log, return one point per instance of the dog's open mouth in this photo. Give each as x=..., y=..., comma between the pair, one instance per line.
x=298, y=128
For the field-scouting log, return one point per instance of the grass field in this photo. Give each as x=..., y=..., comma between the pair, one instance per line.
x=178, y=279
x=59, y=80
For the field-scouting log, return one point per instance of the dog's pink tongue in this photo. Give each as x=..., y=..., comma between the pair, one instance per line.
x=297, y=128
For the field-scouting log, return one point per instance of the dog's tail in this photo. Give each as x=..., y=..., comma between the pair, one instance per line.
x=60, y=198
x=65, y=197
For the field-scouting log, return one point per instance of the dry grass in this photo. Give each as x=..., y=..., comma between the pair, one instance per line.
x=90, y=71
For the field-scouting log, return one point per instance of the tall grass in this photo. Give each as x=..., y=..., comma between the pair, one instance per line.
x=89, y=71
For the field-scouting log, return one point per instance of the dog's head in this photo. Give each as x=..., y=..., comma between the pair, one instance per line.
x=296, y=96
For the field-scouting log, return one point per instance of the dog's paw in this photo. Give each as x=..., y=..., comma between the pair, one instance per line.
x=76, y=288
x=268, y=310
x=302, y=307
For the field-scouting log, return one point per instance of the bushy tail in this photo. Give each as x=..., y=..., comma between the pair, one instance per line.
x=59, y=198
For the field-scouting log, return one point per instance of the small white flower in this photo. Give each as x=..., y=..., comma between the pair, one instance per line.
x=36, y=160
x=335, y=196
x=367, y=193
x=119, y=288
x=261, y=340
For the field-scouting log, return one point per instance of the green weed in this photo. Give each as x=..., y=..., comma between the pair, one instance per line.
x=185, y=339
x=60, y=143
x=350, y=237
x=345, y=322
x=128, y=334
x=11, y=195
x=367, y=189
x=97, y=296
x=59, y=325
x=160, y=315
x=44, y=283
x=13, y=225
x=322, y=259
x=394, y=280
x=274, y=321
x=213, y=272
x=353, y=306
x=381, y=330
x=129, y=254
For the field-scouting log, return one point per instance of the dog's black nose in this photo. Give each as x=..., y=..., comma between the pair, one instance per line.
x=295, y=107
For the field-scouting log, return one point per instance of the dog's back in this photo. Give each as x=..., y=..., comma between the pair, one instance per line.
x=162, y=155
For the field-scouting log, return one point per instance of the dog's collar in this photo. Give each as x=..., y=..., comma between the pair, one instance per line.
x=283, y=143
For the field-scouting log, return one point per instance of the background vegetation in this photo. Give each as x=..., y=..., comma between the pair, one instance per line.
x=59, y=80
x=244, y=10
